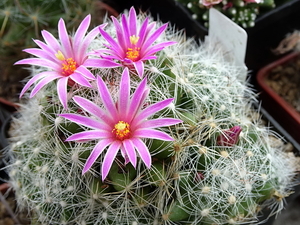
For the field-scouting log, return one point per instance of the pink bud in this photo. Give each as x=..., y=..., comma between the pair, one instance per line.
x=229, y=137
x=253, y=1
x=227, y=6
x=199, y=177
x=209, y=3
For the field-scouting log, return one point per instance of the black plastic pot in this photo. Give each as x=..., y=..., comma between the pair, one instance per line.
x=269, y=30
x=6, y=110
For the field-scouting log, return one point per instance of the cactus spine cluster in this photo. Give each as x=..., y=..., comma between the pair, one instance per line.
x=199, y=178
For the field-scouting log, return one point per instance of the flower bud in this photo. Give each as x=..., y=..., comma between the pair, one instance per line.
x=229, y=137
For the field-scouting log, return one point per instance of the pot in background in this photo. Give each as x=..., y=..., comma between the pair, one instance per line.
x=7, y=108
x=279, y=109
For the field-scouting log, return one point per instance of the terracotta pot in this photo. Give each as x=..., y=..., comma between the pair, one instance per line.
x=282, y=112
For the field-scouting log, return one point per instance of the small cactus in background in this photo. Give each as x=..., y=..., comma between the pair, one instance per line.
x=22, y=20
x=242, y=12
x=162, y=135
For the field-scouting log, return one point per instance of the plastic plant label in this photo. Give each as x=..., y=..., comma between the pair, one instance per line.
x=228, y=35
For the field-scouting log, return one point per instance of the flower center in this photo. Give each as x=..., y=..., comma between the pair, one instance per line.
x=68, y=65
x=133, y=53
x=122, y=130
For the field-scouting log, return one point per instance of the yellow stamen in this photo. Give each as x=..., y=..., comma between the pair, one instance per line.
x=122, y=130
x=134, y=39
x=60, y=56
x=69, y=66
x=133, y=53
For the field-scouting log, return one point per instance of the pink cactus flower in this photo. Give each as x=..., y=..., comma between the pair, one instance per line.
x=229, y=137
x=66, y=60
x=134, y=44
x=120, y=125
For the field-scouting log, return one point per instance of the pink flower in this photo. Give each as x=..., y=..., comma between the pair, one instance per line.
x=134, y=44
x=121, y=125
x=66, y=59
x=209, y=3
x=229, y=137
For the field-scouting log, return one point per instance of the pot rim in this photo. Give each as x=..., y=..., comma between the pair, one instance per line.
x=262, y=77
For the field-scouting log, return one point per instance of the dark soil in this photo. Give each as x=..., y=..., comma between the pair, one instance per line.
x=285, y=81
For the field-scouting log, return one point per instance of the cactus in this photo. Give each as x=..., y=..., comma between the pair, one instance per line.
x=209, y=161
x=242, y=12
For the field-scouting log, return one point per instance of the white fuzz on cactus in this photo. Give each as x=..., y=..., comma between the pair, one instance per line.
x=220, y=167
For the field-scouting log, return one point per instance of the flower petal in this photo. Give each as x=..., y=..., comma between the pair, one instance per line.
x=107, y=99
x=51, y=41
x=86, y=121
x=125, y=30
x=138, y=97
x=109, y=158
x=114, y=45
x=161, y=122
x=79, y=79
x=139, y=67
x=81, y=30
x=50, y=50
x=153, y=134
x=43, y=82
x=132, y=21
x=39, y=53
x=153, y=49
x=98, y=149
x=62, y=91
x=101, y=63
x=89, y=135
x=92, y=108
x=143, y=151
x=150, y=110
x=85, y=72
x=33, y=80
x=143, y=32
x=119, y=32
x=123, y=101
x=83, y=47
x=39, y=62
x=64, y=38
x=130, y=151
x=154, y=36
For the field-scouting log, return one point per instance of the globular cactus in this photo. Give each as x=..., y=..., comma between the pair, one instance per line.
x=242, y=12
x=213, y=163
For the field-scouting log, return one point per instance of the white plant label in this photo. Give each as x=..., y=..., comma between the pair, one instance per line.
x=231, y=37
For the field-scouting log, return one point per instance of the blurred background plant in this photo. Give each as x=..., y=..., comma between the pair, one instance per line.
x=242, y=12
x=22, y=20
